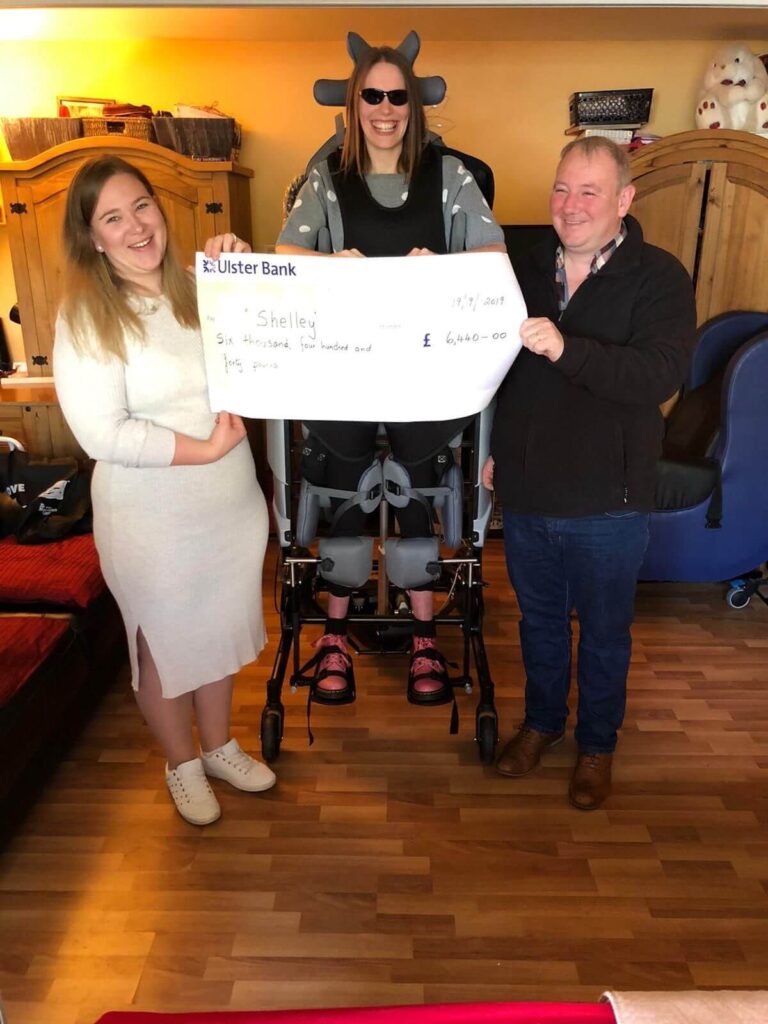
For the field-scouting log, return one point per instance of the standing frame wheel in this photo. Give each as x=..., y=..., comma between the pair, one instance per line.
x=738, y=597
x=487, y=736
x=271, y=733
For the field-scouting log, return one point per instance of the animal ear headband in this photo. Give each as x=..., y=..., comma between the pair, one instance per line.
x=331, y=92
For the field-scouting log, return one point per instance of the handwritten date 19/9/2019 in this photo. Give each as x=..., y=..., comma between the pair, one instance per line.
x=475, y=300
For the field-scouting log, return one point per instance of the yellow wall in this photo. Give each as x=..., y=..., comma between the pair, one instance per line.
x=508, y=101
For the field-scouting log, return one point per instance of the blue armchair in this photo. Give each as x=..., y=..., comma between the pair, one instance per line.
x=722, y=532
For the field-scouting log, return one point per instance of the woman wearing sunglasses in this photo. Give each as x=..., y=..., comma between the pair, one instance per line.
x=387, y=192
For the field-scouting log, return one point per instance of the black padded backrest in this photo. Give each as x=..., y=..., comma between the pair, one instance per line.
x=478, y=168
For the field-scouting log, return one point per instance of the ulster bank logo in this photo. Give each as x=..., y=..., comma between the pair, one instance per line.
x=231, y=265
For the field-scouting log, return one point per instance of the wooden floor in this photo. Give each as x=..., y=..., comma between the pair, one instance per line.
x=388, y=866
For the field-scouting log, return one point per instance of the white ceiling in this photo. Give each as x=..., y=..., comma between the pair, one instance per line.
x=325, y=23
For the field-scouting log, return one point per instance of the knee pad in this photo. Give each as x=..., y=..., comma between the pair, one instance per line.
x=413, y=561
x=346, y=561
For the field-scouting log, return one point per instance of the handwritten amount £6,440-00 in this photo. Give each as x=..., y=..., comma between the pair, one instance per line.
x=473, y=337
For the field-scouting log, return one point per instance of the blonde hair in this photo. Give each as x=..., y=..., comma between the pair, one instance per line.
x=95, y=300
x=592, y=144
x=354, y=154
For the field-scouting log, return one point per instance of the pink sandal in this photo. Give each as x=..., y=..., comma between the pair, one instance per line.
x=427, y=663
x=332, y=659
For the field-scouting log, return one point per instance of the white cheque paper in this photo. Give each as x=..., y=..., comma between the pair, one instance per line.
x=392, y=338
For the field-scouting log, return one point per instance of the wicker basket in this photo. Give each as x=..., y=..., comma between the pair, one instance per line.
x=25, y=137
x=201, y=138
x=612, y=106
x=131, y=127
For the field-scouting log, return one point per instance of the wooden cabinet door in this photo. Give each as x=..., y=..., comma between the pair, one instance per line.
x=703, y=196
x=668, y=204
x=11, y=422
x=35, y=235
x=733, y=269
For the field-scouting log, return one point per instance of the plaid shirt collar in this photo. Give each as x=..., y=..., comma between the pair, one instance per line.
x=599, y=260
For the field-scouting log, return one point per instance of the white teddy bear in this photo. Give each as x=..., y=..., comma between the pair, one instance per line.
x=735, y=91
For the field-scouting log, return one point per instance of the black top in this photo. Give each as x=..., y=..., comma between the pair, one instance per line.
x=582, y=435
x=393, y=231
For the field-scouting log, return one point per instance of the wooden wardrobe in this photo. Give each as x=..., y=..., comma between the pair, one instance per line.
x=703, y=195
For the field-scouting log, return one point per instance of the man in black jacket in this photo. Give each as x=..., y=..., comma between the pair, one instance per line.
x=576, y=437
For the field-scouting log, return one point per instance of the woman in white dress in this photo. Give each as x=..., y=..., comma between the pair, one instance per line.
x=180, y=522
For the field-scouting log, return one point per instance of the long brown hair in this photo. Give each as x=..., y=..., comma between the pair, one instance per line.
x=95, y=300
x=354, y=155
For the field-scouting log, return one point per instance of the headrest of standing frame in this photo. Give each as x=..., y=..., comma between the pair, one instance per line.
x=332, y=92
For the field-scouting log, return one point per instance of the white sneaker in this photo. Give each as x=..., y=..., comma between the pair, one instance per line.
x=239, y=769
x=191, y=793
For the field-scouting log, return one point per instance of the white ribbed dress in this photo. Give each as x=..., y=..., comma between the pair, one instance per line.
x=181, y=547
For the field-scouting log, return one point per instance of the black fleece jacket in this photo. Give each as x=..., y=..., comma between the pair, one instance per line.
x=582, y=435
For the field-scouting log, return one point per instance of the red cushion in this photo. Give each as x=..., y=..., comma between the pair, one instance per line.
x=450, y=1013
x=64, y=572
x=25, y=643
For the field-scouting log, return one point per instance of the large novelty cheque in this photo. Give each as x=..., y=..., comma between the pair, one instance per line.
x=387, y=339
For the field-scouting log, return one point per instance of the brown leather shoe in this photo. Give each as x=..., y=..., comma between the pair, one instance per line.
x=591, y=781
x=523, y=752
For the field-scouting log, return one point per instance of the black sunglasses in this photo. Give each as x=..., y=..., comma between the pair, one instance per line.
x=397, y=97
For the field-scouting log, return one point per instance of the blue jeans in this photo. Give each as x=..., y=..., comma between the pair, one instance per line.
x=589, y=564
